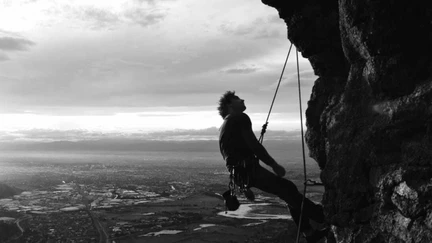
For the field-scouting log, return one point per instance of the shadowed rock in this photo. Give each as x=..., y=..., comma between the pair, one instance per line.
x=369, y=116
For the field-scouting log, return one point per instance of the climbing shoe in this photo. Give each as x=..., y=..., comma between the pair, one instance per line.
x=249, y=194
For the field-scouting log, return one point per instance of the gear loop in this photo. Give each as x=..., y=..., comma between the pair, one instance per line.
x=231, y=184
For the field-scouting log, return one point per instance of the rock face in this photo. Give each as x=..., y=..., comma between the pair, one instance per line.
x=369, y=116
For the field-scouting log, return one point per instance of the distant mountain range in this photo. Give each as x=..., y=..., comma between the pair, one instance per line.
x=51, y=135
x=120, y=144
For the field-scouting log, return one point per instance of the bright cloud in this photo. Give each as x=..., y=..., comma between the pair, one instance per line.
x=126, y=122
x=14, y=44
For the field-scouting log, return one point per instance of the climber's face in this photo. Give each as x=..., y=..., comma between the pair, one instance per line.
x=237, y=105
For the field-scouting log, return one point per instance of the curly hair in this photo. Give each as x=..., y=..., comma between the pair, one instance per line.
x=224, y=101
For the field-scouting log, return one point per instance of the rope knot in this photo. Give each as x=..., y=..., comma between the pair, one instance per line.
x=264, y=128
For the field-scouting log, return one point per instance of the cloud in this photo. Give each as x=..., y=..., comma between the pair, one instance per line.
x=241, y=70
x=307, y=78
x=152, y=2
x=104, y=17
x=111, y=65
x=186, y=134
x=50, y=135
x=141, y=64
x=274, y=18
x=101, y=18
x=14, y=44
x=130, y=68
x=261, y=28
x=10, y=33
x=145, y=17
x=267, y=34
x=229, y=28
x=4, y=57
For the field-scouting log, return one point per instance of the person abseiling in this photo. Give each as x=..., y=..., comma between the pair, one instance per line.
x=242, y=151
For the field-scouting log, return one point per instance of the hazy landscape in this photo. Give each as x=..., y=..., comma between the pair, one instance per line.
x=135, y=191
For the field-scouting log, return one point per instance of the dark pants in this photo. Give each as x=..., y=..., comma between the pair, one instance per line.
x=285, y=189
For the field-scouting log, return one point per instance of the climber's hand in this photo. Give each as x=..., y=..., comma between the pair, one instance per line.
x=278, y=169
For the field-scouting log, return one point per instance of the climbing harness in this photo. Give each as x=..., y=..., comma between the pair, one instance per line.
x=307, y=182
x=239, y=180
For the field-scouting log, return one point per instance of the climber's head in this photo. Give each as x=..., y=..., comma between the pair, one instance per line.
x=229, y=103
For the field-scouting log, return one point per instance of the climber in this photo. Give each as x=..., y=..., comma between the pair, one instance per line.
x=239, y=146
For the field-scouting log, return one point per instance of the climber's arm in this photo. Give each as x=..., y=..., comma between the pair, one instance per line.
x=257, y=147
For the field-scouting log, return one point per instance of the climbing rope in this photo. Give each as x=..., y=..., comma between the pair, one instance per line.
x=264, y=127
x=307, y=182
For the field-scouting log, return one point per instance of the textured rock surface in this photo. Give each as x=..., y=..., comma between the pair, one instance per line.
x=369, y=116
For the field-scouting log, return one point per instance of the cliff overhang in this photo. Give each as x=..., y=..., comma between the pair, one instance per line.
x=369, y=117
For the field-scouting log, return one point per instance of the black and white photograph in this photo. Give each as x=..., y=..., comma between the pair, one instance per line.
x=223, y=121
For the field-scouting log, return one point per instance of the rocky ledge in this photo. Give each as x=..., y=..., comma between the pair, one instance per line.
x=369, y=116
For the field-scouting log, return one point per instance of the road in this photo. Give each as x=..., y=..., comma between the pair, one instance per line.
x=103, y=236
x=17, y=222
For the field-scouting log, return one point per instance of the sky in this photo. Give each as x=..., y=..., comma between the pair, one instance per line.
x=139, y=66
